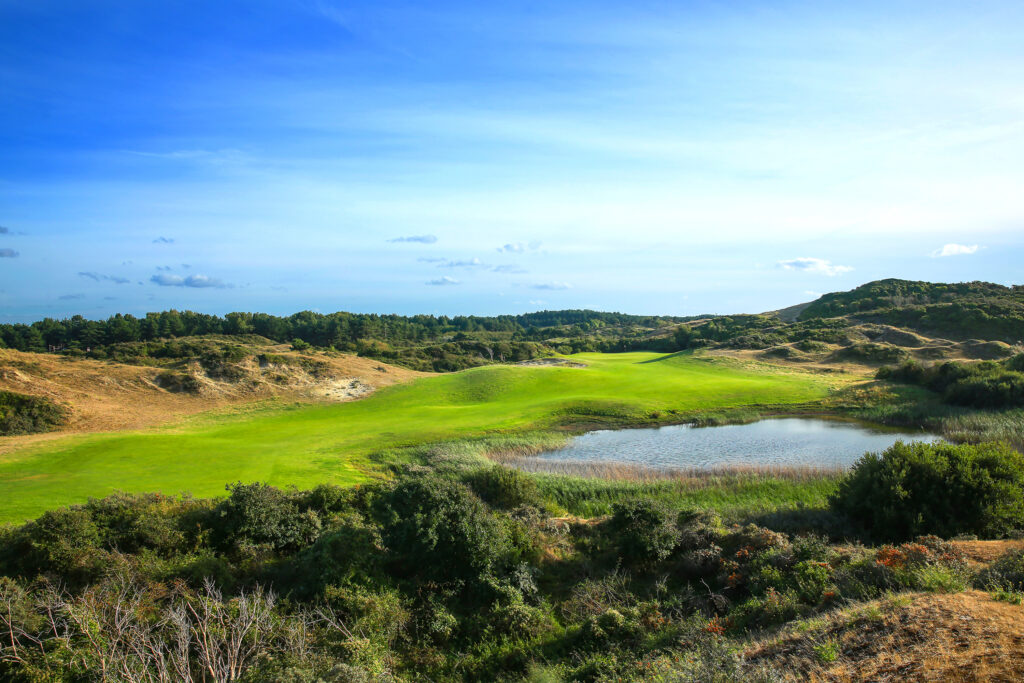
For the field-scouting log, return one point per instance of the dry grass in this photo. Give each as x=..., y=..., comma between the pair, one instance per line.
x=985, y=552
x=963, y=637
x=108, y=396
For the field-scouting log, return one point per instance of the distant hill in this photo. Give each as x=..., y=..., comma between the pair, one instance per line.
x=966, y=310
x=871, y=323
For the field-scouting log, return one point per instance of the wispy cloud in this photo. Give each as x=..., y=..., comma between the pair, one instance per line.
x=195, y=281
x=552, y=285
x=70, y=297
x=431, y=259
x=509, y=268
x=98, y=277
x=519, y=247
x=955, y=250
x=470, y=263
x=163, y=240
x=817, y=266
x=422, y=239
x=442, y=281
x=8, y=253
x=4, y=230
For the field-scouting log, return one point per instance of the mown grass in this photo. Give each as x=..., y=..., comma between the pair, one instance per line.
x=350, y=442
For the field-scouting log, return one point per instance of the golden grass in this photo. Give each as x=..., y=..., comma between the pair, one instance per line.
x=924, y=637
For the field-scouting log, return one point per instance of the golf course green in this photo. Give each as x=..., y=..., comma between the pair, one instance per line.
x=304, y=445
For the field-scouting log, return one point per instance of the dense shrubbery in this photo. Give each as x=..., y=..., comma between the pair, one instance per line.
x=20, y=414
x=941, y=489
x=987, y=384
x=645, y=532
x=429, y=577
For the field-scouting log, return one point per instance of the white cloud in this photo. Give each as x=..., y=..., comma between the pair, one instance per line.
x=471, y=263
x=441, y=281
x=955, y=250
x=519, y=247
x=422, y=239
x=814, y=265
x=552, y=285
x=195, y=281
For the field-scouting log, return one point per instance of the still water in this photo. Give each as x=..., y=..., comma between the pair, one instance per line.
x=777, y=442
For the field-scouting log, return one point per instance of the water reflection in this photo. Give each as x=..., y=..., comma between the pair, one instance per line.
x=778, y=442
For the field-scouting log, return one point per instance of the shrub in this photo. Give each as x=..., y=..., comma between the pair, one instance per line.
x=263, y=515
x=942, y=489
x=643, y=531
x=1006, y=573
x=435, y=528
x=980, y=385
x=504, y=487
x=64, y=541
x=350, y=553
x=178, y=382
x=766, y=610
x=20, y=414
x=129, y=522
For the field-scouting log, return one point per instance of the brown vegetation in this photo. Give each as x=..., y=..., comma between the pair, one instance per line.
x=960, y=637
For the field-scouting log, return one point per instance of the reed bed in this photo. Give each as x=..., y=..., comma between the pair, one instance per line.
x=696, y=476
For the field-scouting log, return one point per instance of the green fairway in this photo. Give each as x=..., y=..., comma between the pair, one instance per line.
x=307, y=445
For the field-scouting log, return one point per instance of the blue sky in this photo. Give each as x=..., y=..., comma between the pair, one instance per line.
x=444, y=157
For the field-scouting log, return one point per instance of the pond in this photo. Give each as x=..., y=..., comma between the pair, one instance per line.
x=781, y=442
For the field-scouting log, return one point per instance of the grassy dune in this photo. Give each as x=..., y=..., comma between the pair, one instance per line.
x=311, y=444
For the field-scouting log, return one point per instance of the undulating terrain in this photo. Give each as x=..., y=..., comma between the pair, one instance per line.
x=261, y=498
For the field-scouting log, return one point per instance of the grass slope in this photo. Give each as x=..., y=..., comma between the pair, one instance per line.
x=312, y=444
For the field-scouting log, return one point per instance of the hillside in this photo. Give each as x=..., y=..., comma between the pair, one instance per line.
x=108, y=395
x=969, y=310
x=882, y=322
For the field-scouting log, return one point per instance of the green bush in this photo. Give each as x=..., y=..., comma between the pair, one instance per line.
x=178, y=382
x=643, y=532
x=437, y=529
x=987, y=384
x=259, y=514
x=350, y=553
x=1006, y=573
x=63, y=542
x=917, y=488
x=20, y=414
x=504, y=487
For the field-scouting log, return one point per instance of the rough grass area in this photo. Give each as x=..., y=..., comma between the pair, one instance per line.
x=911, y=637
x=305, y=445
x=737, y=495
